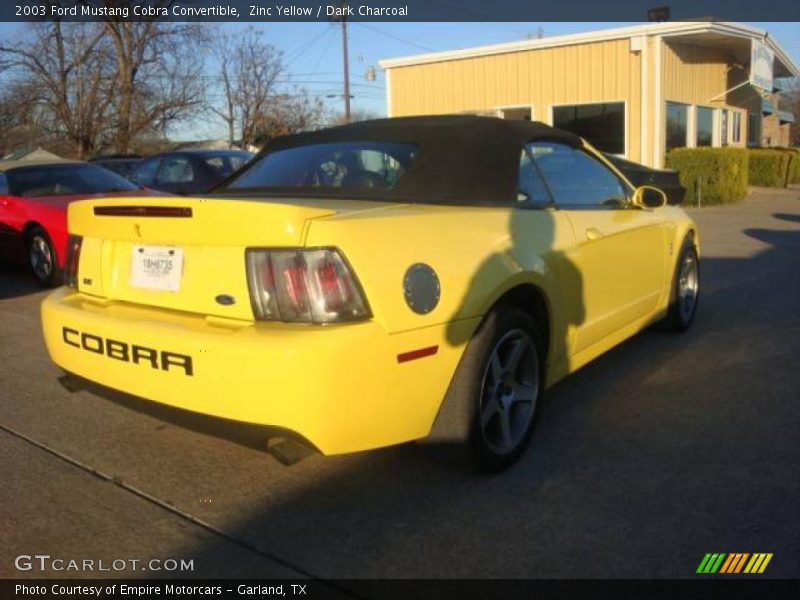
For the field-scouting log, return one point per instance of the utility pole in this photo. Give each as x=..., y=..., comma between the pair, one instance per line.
x=346, y=65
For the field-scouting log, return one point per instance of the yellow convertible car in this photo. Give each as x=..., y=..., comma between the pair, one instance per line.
x=376, y=283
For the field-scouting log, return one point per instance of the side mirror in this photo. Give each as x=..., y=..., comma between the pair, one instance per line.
x=649, y=197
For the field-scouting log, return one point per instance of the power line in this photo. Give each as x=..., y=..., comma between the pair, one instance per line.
x=394, y=37
x=293, y=55
x=325, y=48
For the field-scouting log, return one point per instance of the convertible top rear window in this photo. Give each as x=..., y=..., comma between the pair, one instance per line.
x=346, y=166
x=451, y=159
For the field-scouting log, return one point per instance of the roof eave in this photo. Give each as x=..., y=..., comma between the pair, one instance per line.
x=660, y=29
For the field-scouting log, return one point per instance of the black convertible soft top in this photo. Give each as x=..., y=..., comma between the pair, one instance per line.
x=463, y=159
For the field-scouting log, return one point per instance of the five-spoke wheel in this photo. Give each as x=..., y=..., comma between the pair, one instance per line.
x=42, y=258
x=509, y=392
x=685, y=291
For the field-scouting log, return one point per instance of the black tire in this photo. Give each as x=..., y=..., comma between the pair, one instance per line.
x=42, y=258
x=680, y=316
x=482, y=403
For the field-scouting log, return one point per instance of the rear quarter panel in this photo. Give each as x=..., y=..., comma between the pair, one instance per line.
x=477, y=253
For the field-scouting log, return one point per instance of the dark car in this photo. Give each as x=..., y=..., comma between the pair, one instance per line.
x=121, y=164
x=188, y=171
x=666, y=180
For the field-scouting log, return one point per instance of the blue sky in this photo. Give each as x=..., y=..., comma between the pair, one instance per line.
x=313, y=53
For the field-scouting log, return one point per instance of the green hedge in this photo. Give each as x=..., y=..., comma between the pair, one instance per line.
x=722, y=173
x=769, y=167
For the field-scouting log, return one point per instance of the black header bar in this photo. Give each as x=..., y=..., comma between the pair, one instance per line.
x=708, y=588
x=398, y=10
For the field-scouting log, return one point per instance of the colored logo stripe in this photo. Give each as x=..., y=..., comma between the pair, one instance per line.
x=721, y=562
x=711, y=563
x=758, y=563
x=734, y=563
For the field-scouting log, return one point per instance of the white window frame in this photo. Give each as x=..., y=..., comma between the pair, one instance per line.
x=625, y=117
x=727, y=131
x=659, y=129
x=498, y=110
x=734, y=112
x=716, y=142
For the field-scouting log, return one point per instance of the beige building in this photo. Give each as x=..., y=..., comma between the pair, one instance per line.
x=634, y=91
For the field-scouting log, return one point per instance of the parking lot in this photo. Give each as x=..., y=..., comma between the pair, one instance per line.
x=664, y=449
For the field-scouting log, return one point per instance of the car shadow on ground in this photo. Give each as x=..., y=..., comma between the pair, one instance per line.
x=16, y=281
x=656, y=451
x=244, y=434
x=787, y=217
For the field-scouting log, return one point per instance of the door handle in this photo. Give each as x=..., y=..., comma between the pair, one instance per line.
x=593, y=233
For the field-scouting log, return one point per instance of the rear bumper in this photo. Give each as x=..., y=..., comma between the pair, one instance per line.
x=341, y=387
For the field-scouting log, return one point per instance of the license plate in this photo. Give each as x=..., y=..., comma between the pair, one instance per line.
x=157, y=267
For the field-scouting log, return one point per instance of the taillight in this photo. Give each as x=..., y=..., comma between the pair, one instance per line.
x=72, y=259
x=310, y=286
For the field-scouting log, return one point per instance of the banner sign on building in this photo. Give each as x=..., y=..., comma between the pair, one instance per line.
x=761, y=60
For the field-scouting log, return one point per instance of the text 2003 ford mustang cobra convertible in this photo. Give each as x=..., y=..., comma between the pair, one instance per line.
x=376, y=283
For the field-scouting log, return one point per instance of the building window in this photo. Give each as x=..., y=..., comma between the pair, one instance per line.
x=514, y=113
x=736, y=128
x=677, y=125
x=603, y=125
x=705, y=126
x=753, y=129
x=723, y=127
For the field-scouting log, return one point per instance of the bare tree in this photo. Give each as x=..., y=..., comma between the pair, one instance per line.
x=159, y=74
x=289, y=113
x=63, y=68
x=223, y=49
x=253, y=102
x=257, y=66
x=17, y=120
x=355, y=116
x=112, y=81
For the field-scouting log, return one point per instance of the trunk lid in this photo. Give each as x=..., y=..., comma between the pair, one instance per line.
x=132, y=247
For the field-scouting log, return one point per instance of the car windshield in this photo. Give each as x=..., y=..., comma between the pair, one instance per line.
x=225, y=164
x=338, y=167
x=65, y=180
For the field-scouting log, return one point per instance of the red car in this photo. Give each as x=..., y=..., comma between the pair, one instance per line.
x=33, y=209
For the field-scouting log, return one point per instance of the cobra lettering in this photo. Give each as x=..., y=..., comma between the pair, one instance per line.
x=132, y=353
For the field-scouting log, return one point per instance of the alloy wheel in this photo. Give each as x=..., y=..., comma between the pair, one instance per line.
x=41, y=258
x=687, y=287
x=509, y=392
